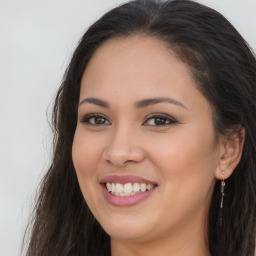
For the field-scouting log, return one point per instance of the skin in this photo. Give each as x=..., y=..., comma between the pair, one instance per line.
x=181, y=156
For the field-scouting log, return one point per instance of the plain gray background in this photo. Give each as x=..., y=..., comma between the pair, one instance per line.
x=37, y=38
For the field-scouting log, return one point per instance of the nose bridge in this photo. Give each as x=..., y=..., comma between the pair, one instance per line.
x=123, y=146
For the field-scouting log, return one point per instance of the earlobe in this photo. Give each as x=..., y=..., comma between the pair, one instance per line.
x=230, y=153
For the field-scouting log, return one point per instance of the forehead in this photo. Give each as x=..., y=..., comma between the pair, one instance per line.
x=137, y=67
x=134, y=54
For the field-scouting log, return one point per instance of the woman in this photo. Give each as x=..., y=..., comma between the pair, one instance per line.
x=154, y=139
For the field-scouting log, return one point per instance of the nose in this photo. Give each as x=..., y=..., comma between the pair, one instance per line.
x=123, y=148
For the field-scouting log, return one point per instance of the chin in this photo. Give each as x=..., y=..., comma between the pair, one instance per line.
x=127, y=229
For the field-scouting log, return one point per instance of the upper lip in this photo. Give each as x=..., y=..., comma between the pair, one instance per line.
x=123, y=179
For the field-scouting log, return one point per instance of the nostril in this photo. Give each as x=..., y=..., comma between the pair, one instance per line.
x=118, y=162
x=120, y=154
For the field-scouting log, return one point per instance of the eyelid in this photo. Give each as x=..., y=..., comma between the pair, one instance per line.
x=163, y=115
x=87, y=117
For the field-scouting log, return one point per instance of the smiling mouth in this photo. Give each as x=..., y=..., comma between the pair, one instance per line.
x=128, y=189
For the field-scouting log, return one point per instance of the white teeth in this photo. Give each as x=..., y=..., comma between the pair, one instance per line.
x=128, y=189
x=143, y=187
x=109, y=187
x=113, y=187
x=149, y=186
x=119, y=188
x=136, y=187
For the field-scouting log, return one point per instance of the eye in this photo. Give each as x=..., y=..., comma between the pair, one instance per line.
x=159, y=120
x=95, y=119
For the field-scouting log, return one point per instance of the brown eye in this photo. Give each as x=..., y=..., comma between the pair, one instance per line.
x=95, y=119
x=159, y=120
x=99, y=120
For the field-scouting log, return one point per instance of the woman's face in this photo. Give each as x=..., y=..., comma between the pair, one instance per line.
x=144, y=148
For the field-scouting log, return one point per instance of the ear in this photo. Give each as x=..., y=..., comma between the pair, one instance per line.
x=230, y=153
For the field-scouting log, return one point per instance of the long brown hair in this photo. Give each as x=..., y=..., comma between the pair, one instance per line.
x=224, y=69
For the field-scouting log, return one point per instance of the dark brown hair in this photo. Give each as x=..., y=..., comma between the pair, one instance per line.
x=224, y=69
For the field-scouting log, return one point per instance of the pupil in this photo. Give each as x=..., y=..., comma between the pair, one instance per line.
x=99, y=120
x=160, y=121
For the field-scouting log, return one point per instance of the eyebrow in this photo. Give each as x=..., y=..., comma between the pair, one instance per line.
x=138, y=104
x=147, y=102
x=95, y=101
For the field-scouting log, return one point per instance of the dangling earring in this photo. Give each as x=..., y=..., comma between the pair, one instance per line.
x=222, y=198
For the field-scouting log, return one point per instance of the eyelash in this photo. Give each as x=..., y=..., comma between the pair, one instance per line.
x=162, y=116
x=86, y=119
x=170, y=120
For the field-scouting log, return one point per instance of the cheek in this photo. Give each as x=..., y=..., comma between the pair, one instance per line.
x=86, y=152
x=186, y=164
x=183, y=151
x=86, y=155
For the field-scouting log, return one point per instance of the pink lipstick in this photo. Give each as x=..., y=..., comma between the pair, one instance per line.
x=126, y=190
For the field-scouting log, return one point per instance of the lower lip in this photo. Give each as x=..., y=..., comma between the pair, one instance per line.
x=125, y=200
